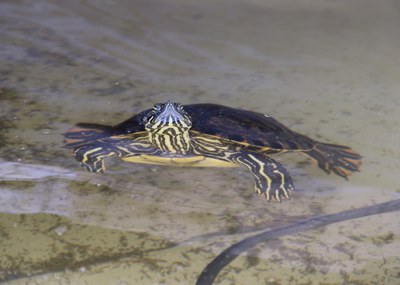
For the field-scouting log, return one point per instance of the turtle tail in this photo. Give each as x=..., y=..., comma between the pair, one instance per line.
x=339, y=159
x=85, y=135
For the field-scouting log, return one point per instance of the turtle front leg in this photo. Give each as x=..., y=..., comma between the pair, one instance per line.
x=92, y=158
x=92, y=155
x=271, y=178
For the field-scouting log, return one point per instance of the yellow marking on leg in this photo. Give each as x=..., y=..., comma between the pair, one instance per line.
x=282, y=186
x=277, y=195
x=102, y=167
x=85, y=156
x=124, y=149
x=262, y=172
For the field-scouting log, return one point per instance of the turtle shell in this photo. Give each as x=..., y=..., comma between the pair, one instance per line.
x=240, y=126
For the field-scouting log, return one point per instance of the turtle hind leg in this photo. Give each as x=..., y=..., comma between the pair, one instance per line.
x=271, y=179
x=339, y=159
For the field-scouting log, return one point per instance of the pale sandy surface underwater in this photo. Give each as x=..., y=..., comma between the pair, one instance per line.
x=328, y=69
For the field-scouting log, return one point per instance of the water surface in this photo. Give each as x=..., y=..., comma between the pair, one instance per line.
x=328, y=69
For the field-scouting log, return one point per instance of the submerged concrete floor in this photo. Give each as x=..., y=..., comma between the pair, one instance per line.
x=328, y=69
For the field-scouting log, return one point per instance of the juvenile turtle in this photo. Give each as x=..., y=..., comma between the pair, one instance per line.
x=207, y=135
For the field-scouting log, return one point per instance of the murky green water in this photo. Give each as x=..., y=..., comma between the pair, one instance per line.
x=329, y=69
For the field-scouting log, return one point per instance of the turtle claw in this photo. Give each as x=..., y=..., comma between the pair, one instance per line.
x=277, y=194
x=94, y=166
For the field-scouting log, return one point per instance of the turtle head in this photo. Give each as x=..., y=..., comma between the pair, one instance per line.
x=167, y=119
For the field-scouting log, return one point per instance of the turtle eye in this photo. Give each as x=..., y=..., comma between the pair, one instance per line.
x=179, y=107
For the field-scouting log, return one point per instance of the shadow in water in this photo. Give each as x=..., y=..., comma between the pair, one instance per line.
x=211, y=271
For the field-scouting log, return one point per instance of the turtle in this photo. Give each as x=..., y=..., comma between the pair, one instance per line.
x=207, y=135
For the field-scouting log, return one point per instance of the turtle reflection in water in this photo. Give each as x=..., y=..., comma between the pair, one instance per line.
x=207, y=135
